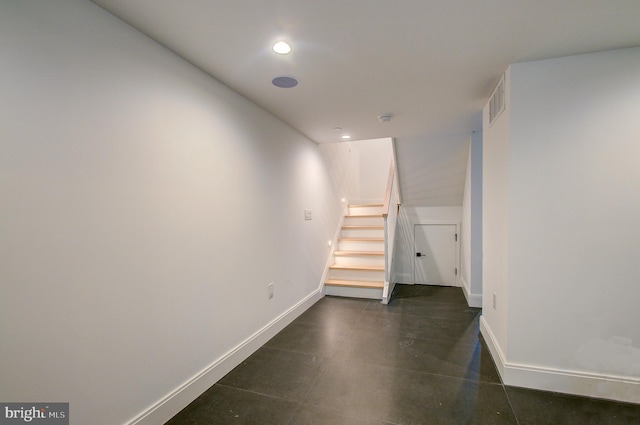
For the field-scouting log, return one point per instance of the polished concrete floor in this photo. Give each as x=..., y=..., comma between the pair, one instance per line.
x=419, y=360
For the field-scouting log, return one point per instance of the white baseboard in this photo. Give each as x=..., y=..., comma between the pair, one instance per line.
x=625, y=389
x=179, y=398
x=473, y=300
x=493, y=346
x=386, y=296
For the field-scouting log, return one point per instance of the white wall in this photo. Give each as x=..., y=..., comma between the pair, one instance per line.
x=432, y=170
x=495, y=223
x=372, y=165
x=360, y=169
x=471, y=230
x=145, y=208
x=572, y=236
x=344, y=165
x=404, y=257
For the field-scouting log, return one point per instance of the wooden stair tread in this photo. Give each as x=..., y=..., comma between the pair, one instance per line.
x=365, y=205
x=356, y=253
x=354, y=283
x=363, y=226
x=362, y=239
x=347, y=267
x=364, y=215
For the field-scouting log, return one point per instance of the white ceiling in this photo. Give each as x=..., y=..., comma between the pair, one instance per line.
x=432, y=64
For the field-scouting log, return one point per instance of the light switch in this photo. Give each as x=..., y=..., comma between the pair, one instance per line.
x=307, y=214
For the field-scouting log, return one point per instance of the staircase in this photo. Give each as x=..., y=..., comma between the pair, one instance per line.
x=358, y=263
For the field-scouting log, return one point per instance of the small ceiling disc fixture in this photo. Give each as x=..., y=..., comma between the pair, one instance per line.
x=284, y=82
x=384, y=118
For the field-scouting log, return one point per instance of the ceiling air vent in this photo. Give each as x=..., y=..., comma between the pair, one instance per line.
x=496, y=102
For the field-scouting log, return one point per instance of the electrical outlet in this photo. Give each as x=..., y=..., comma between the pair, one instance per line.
x=270, y=289
x=307, y=214
x=494, y=302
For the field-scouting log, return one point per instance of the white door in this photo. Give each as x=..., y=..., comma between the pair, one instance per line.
x=435, y=254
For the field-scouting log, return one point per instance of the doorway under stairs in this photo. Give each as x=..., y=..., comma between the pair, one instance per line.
x=358, y=265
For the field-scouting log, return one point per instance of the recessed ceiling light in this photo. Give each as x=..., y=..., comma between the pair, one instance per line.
x=346, y=137
x=281, y=48
x=284, y=82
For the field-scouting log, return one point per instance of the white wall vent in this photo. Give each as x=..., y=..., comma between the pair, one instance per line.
x=496, y=101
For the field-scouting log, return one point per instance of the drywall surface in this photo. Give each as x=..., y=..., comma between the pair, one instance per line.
x=573, y=213
x=432, y=172
x=360, y=169
x=343, y=164
x=471, y=231
x=145, y=209
x=560, y=206
x=375, y=160
x=495, y=221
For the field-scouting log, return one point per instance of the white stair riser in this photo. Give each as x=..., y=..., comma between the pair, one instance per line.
x=365, y=210
x=363, y=275
x=359, y=216
x=363, y=221
x=362, y=233
x=342, y=291
x=360, y=260
x=360, y=246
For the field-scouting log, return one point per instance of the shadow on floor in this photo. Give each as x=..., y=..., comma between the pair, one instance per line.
x=418, y=361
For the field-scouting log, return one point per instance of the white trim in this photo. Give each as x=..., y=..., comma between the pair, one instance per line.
x=388, y=289
x=167, y=407
x=618, y=388
x=493, y=346
x=473, y=300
